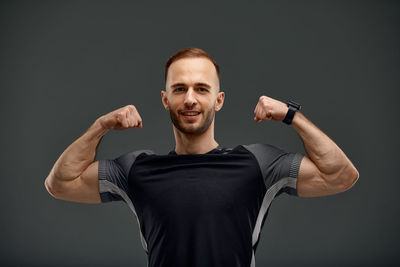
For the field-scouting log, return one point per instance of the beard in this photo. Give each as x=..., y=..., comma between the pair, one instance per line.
x=190, y=128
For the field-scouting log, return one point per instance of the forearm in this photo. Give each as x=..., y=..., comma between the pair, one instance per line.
x=77, y=157
x=325, y=154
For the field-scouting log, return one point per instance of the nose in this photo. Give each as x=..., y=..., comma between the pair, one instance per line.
x=190, y=98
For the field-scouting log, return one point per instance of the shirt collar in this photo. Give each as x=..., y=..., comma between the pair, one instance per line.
x=212, y=151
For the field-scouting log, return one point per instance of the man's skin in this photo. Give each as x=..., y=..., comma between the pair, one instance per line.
x=193, y=84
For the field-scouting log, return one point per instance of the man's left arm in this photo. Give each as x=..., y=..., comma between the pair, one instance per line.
x=327, y=170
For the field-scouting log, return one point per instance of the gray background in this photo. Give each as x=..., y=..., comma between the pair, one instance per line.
x=65, y=63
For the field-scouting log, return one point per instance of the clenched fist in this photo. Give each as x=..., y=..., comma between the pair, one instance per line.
x=270, y=109
x=121, y=119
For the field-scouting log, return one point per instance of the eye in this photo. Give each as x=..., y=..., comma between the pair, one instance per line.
x=201, y=89
x=179, y=89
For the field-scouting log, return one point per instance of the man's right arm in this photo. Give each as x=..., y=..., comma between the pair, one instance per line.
x=74, y=176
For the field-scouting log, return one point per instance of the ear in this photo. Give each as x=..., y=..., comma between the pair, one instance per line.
x=219, y=101
x=164, y=99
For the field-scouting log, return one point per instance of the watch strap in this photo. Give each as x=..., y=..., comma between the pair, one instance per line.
x=293, y=107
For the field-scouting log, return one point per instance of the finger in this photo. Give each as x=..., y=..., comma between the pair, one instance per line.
x=259, y=112
x=131, y=118
x=134, y=122
x=255, y=114
x=139, y=121
x=126, y=119
x=263, y=114
x=136, y=119
x=269, y=115
x=131, y=122
x=255, y=109
x=137, y=115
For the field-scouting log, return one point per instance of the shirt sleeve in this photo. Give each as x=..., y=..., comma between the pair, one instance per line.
x=113, y=177
x=279, y=167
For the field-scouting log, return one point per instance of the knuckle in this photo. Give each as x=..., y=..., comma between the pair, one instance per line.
x=126, y=108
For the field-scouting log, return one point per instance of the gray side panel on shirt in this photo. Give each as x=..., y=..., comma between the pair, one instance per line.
x=113, y=182
x=279, y=170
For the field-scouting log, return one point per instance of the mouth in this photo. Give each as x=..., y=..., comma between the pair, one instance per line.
x=190, y=115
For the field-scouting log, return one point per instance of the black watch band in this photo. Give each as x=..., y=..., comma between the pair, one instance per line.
x=293, y=107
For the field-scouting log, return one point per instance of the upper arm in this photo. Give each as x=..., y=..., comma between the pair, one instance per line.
x=83, y=189
x=311, y=182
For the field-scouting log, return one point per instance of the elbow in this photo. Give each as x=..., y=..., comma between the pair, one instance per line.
x=352, y=178
x=50, y=187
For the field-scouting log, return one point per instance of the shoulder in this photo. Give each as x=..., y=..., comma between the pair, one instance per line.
x=268, y=155
x=125, y=161
x=259, y=149
x=133, y=155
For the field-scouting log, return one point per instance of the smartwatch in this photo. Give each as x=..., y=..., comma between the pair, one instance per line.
x=293, y=107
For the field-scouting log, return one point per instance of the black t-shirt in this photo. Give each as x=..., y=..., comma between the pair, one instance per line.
x=200, y=209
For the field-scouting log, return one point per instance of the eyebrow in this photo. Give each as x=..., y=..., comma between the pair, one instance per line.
x=196, y=84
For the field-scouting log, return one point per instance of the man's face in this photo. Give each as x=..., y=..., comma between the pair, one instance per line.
x=192, y=94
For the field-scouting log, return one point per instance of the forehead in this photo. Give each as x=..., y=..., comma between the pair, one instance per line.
x=192, y=70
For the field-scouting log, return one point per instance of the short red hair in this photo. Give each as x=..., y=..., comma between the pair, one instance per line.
x=187, y=53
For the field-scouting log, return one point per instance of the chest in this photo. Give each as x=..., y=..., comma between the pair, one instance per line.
x=196, y=184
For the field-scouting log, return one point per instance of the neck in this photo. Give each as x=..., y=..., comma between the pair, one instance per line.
x=195, y=143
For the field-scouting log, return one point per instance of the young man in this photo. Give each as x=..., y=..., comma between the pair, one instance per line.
x=201, y=204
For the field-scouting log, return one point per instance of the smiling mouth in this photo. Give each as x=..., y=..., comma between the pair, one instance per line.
x=190, y=115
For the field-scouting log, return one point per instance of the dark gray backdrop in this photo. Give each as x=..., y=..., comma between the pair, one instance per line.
x=65, y=63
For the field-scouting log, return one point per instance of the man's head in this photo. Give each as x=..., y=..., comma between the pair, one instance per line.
x=192, y=84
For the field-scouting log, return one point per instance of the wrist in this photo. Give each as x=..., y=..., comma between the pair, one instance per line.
x=100, y=126
x=96, y=130
x=293, y=108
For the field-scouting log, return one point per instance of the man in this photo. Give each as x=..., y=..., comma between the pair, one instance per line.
x=201, y=204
